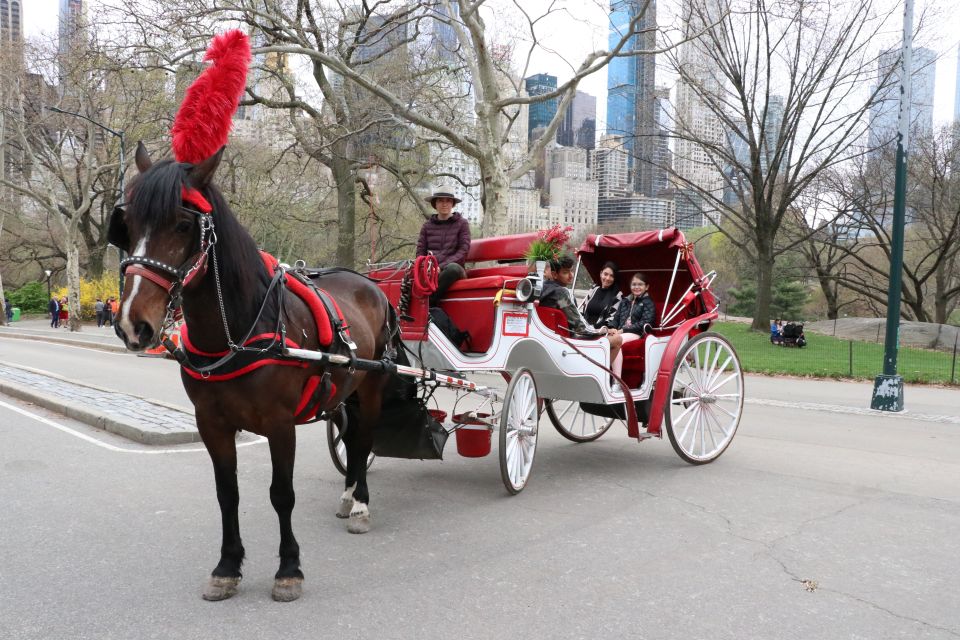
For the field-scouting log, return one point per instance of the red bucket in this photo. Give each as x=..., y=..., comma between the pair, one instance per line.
x=438, y=414
x=473, y=437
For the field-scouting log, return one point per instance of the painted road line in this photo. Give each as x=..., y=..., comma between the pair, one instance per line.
x=110, y=447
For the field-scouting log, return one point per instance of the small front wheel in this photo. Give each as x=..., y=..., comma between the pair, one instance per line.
x=706, y=398
x=518, y=431
x=575, y=424
x=338, y=450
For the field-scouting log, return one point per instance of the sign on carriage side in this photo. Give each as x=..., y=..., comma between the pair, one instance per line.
x=515, y=324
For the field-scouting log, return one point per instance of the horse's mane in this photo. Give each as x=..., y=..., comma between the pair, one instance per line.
x=157, y=199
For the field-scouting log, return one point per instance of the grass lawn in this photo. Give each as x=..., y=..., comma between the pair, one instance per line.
x=829, y=357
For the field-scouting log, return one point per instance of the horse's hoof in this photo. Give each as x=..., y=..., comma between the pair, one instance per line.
x=220, y=588
x=359, y=519
x=346, y=506
x=287, y=589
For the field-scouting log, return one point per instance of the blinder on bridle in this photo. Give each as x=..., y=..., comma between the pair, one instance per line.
x=172, y=279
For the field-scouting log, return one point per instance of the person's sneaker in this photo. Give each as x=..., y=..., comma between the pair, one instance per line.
x=615, y=388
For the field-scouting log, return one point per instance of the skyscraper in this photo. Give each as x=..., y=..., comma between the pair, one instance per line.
x=631, y=84
x=885, y=113
x=541, y=113
x=11, y=22
x=71, y=32
x=956, y=95
x=698, y=126
x=579, y=125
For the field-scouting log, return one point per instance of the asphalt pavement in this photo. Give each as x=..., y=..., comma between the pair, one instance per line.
x=822, y=520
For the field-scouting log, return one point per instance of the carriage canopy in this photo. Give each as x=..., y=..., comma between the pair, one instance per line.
x=656, y=254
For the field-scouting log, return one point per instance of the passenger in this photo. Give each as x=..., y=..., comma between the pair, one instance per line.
x=446, y=235
x=557, y=295
x=635, y=315
x=600, y=304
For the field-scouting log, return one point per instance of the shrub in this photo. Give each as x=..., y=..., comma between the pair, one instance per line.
x=31, y=298
x=103, y=287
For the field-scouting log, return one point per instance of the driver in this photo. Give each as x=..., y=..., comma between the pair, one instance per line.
x=446, y=235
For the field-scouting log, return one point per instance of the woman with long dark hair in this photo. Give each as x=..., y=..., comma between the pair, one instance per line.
x=600, y=304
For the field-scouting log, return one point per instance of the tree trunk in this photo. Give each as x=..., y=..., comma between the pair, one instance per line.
x=3, y=217
x=494, y=202
x=73, y=283
x=346, y=212
x=828, y=285
x=761, y=317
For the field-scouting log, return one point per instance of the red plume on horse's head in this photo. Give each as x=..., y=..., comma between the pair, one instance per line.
x=203, y=121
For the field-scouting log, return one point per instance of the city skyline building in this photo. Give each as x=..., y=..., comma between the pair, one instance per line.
x=11, y=22
x=70, y=29
x=579, y=125
x=956, y=94
x=541, y=113
x=698, y=127
x=631, y=86
x=884, y=114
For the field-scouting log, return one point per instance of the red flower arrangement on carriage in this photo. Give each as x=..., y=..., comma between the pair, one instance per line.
x=549, y=244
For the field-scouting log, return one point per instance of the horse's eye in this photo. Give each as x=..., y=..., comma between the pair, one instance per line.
x=183, y=226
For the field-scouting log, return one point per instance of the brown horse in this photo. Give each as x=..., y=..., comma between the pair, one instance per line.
x=209, y=266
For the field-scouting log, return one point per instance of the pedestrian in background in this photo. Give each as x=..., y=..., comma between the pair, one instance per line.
x=114, y=307
x=8, y=308
x=107, y=313
x=54, y=308
x=98, y=308
x=64, y=312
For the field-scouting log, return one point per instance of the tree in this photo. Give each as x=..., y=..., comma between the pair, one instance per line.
x=68, y=169
x=860, y=252
x=465, y=96
x=772, y=95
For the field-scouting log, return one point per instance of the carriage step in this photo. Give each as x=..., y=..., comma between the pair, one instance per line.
x=644, y=436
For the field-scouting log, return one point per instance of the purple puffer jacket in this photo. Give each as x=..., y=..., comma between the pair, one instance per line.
x=448, y=240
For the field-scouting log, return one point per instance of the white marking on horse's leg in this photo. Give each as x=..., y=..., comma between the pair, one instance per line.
x=346, y=502
x=359, y=518
x=125, y=322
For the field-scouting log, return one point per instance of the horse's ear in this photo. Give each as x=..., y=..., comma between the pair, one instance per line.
x=202, y=173
x=117, y=233
x=143, y=158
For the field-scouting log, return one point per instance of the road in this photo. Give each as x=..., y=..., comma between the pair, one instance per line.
x=814, y=524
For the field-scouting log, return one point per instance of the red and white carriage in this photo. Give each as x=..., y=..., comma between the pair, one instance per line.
x=680, y=378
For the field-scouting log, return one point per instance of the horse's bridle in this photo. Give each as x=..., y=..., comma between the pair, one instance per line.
x=172, y=279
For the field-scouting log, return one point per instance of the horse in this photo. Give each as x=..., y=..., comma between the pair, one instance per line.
x=225, y=291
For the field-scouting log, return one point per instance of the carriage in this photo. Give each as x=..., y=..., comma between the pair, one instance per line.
x=679, y=378
x=270, y=347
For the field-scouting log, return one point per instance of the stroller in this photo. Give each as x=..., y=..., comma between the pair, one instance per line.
x=793, y=335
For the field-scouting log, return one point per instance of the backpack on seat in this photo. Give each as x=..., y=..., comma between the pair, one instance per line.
x=453, y=333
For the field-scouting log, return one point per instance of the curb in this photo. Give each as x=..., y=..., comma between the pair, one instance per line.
x=65, y=341
x=100, y=420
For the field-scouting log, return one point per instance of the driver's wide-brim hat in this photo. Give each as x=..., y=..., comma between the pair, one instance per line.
x=444, y=191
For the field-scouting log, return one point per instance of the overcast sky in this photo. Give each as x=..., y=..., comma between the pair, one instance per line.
x=580, y=26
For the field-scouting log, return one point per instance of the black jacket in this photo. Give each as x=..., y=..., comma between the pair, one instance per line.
x=640, y=312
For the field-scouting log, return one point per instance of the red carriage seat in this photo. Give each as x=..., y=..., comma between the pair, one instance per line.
x=470, y=304
x=634, y=357
x=554, y=319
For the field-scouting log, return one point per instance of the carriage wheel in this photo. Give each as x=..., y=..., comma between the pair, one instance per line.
x=338, y=450
x=518, y=431
x=574, y=423
x=706, y=398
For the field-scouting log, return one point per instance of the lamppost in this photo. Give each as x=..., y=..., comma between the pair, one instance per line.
x=48, y=273
x=888, y=386
x=120, y=134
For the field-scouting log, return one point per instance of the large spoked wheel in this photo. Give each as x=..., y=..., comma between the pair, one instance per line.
x=706, y=398
x=574, y=423
x=338, y=450
x=518, y=431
